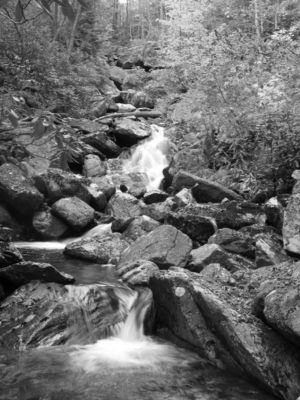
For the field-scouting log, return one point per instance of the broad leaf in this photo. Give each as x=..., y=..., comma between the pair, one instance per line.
x=82, y=3
x=67, y=10
x=3, y=3
x=19, y=12
x=38, y=129
x=59, y=141
x=14, y=119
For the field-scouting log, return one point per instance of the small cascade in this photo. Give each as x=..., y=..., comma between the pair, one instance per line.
x=150, y=158
x=133, y=328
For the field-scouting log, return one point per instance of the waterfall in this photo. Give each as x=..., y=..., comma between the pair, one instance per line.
x=150, y=157
x=133, y=328
x=128, y=346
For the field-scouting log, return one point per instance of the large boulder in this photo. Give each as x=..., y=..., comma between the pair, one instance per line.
x=123, y=206
x=9, y=254
x=18, y=192
x=197, y=227
x=128, y=131
x=214, y=318
x=104, y=185
x=75, y=212
x=49, y=314
x=56, y=184
x=48, y=226
x=108, y=88
x=19, y=274
x=277, y=299
x=98, y=198
x=291, y=222
x=101, y=141
x=102, y=249
x=204, y=191
x=282, y=311
x=165, y=246
x=231, y=214
x=158, y=211
x=117, y=74
x=137, y=99
x=93, y=166
x=6, y=219
x=155, y=196
x=234, y=241
x=137, y=273
x=140, y=226
x=125, y=108
x=269, y=250
x=213, y=254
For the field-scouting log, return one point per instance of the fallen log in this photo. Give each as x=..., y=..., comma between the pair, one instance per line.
x=144, y=114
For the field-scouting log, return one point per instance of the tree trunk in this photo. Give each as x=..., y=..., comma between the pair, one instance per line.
x=72, y=37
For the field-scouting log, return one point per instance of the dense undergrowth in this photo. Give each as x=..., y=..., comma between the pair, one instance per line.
x=227, y=71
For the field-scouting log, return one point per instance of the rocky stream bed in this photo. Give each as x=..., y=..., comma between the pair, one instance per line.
x=223, y=272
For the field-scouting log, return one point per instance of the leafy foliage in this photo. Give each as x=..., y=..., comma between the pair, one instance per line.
x=237, y=61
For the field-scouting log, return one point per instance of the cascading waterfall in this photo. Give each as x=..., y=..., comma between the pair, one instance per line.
x=150, y=157
x=128, y=345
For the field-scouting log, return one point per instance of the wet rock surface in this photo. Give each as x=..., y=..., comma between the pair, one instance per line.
x=9, y=254
x=19, y=274
x=18, y=191
x=102, y=249
x=137, y=273
x=216, y=320
x=48, y=314
x=165, y=246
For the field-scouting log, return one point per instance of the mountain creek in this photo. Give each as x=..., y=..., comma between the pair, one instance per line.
x=132, y=276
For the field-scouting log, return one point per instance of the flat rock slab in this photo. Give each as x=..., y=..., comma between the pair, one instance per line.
x=18, y=191
x=204, y=314
x=212, y=254
x=23, y=272
x=75, y=212
x=165, y=246
x=231, y=214
x=99, y=248
x=203, y=190
x=50, y=314
x=128, y=132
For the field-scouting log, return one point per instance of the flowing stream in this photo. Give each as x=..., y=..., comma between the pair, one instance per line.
x=128, y=365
